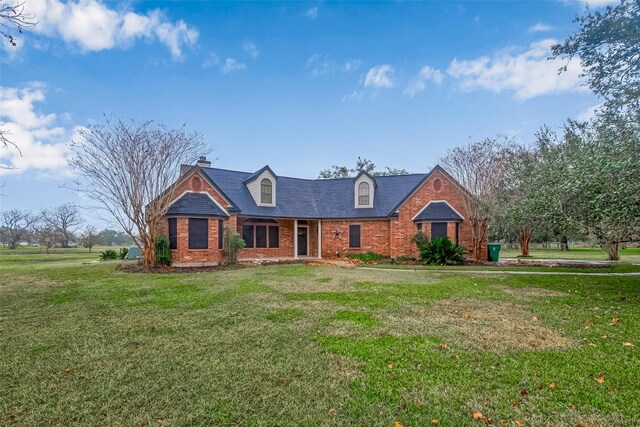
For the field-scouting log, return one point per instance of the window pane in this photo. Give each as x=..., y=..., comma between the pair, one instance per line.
x=274, y=236
x=354, y=236
x=220, y=234
x=363, y=193
x=173, y=233
x=261, y=236
x=438, y=229
x=419, y=225
x=198, y=233
x=247, y=235
x=266, y=191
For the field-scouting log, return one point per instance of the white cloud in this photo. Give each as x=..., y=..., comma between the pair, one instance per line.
x=594, y=4
x=312, y=13
x=211, y=60
x=528, y=74
x=540, y=27
x=231, y=65
x=251, y=49
x=321, y=65
x=42, y=145
x=588, y=114
x=419, y=84
x=93, y=26
x=380, y=76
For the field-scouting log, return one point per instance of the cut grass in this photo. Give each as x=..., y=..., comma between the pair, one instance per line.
x=577, y=253
x=297, y=345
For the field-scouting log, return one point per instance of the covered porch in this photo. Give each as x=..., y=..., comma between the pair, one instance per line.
x=280, y=238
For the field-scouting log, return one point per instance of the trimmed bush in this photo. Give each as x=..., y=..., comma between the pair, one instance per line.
x=109, y=254
x=442, y=252
x=233, y=243
x=163, y=251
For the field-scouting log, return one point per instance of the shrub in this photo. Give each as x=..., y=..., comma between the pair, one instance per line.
x=123, y=253
x=420, y=239
x=368, y=257
x=163, y=251
x=108, y=255
x=442, y=252
x=233, y=243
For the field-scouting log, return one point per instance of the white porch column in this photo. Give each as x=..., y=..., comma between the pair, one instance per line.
x=295, y=239
x=319, y=239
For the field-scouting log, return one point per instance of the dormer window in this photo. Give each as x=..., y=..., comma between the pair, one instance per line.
x=364, y=194
x=364, y=191
x=266, y=191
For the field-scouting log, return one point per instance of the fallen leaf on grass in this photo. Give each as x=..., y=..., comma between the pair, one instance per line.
x=503, y=423
x=488, y=421
x=552, y=385
x=282, y=381
x=331, y=411
x=592, y=344
x=515, y=404
x=587, y=327
x=434, y=421
x=628, y=344
x=600, y=379
x=580, y=425
x=477, y=415
x=614, y=321
x=397, y=424
x=390, y=365
x=604, y=337
x=443, y=346
x=519, y=424
x=534, y=318
x=69, y=371
x=523, y=392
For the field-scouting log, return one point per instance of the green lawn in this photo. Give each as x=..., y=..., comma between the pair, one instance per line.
x=84, y=344
x=578, y=253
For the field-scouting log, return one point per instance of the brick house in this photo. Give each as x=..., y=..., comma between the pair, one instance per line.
x=290, y=218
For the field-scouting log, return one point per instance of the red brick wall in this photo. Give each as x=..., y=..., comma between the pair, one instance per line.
x=184, y=255
x=374, y=237
x=403, y=227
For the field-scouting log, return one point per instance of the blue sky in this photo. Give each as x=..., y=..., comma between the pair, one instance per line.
x=300, y=86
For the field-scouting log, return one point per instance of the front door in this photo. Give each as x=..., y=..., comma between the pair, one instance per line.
x=303, y=233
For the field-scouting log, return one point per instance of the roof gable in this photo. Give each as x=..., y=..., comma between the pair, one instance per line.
x=199, y=204
x=438, y=210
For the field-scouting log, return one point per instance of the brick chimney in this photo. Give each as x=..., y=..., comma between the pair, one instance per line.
x=203, y=162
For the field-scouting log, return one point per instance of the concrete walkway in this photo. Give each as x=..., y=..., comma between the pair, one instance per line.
x=464, y=271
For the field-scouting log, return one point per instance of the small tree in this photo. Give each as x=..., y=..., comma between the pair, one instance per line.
x=45, y=235
x=478, y=168
x=16, y=225
x=130, y=170
x=65, y=219
x=89, y=237
x=233, y=243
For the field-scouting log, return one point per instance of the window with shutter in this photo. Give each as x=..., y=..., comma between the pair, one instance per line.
x=198, y=233
x=354, y=236
x=173, y=233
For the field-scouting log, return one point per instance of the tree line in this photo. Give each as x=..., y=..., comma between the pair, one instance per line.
x=58, y=226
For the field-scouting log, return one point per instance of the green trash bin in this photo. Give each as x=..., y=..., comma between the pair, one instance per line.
x=494, y=252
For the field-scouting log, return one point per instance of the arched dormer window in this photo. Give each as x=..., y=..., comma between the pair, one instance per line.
x=266, y=191
x=364, y=194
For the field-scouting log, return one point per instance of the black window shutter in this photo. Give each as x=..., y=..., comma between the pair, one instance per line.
x=261, y=236
x=247, y=235
x=354, y=236
x=419, y=225
x=274, y=236
x=438, y=229
x=198, y=233
x=220, y=234
x=173, y=233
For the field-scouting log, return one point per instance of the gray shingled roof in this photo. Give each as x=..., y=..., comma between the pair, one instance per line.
x=195, y=204
x=438, y=211
x=315, y=198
